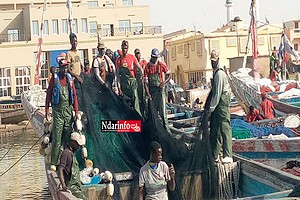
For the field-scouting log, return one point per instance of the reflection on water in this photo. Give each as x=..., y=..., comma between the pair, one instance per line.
x=27, y=179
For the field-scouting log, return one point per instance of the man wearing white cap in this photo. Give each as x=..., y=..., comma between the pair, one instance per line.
x=68, y=170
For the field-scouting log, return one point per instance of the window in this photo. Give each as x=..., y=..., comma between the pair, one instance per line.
x=75, y=26
x=84, y=27
x=137, y=28
x=124, y=25
x=127, y=2
x=22, y=75
x=180, y=49
x=186, y=50
x=46, y=27
x=83, y=53
x=107, y=30
x=64, y=26
x=173, y=53
x=296, y=47
x=93, y=27
x=44, y=70
x=55, y=26
x=35, y=27
x=5, y=88
x=192, y=46
x=199, y=48
x=94, y=52
x=13, y=34
x=92, y=4
x=296, y=25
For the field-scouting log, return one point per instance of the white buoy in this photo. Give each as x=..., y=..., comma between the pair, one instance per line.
x=102, y=175
x=46, y=140
x=84, y=152
x=53, y=168
x=110, y=189
x=78, y=125
x=108, y=176
x=79, y=117
x=95, y=171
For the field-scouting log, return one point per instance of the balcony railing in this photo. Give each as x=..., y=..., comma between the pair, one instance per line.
x=14, y=37
x=145, y=30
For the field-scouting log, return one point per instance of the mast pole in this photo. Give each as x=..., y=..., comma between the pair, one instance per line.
x=39, y=48
x=284, y=61
x=255, y=67
x=70, y=19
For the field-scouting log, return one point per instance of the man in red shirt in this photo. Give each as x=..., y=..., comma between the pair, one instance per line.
x=266, y=107
x=61, y=93
x=127, y=66
x=154, y=84
x=141, y=89
x=253, y=115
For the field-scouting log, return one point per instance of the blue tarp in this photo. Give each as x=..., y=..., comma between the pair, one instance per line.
x=54, y=55
x=260, y=131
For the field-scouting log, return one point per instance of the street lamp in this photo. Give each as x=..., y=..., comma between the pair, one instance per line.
x=236, y=20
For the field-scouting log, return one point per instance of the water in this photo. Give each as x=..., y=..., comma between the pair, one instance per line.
x=27, y=179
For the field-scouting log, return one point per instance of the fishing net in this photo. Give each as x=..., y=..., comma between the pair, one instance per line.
x=123, y=152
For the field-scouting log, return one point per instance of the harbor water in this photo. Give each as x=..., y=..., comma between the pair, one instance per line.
x=27, y=179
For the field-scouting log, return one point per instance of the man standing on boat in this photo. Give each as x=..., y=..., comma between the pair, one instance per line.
x=61, y=93
x=68, y=168
x=73, y=57
x=127, y=66
x=220, y=130
x=104, y=69
x=154, y=84
x=139, y=78
x=266, y=107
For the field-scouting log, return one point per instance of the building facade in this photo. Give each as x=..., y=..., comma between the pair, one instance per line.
x=189, y=55
x=20, y=21
x=292, y=30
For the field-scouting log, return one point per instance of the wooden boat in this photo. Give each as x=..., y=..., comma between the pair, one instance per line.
x=248, y=93
x=11, y=111
x=186, y=127
x=269, y=182
x=33, y=102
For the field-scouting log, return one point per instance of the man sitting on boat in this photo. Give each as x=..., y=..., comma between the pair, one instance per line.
x=220, y=129
x=68, y=168
x=196, y=103
x=155, y=85
x=62, y=95
x=253, y=115
x=266, y=107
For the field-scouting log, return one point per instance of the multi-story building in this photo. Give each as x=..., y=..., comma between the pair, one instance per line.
x=20, y=21
x=293, y=33
x=189, y=55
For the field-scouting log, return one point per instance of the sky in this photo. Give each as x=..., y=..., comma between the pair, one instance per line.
x=207, y=16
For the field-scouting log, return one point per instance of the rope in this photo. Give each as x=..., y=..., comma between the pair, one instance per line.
x=22, y=156
x=19, y=135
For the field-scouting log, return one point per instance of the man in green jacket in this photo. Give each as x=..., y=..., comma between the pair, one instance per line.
x=220, y=130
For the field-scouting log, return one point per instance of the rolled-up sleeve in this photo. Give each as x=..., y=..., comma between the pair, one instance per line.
x=141, y=179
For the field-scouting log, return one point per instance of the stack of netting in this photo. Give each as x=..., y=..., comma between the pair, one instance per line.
x=242, y=130
x=123, y=152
